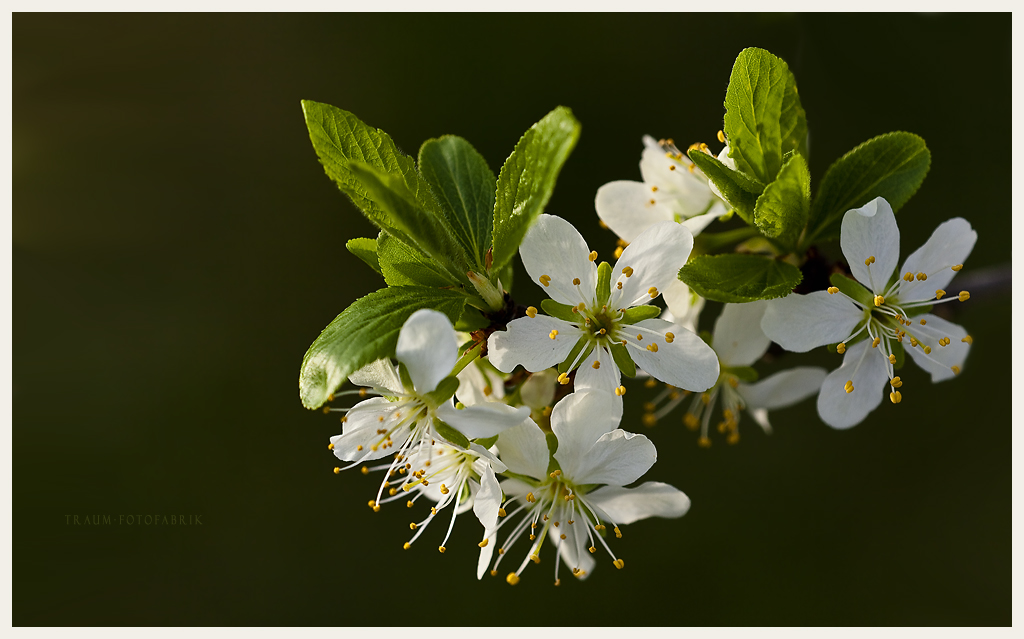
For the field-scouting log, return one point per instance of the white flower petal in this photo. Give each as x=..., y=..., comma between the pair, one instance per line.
x=617, y=458
x=378, y=374
x=482, y=420
x=738, y=338
x=487, y=500
x=524, y=449
x=687, y=362
x=871, y=231
x=951, y=243
x=538, y=391
x=527, y=341
x=486, y=458
x=802, y=322
x=783, y=388
x=606, y=377
x=630, y=208
x=840, y=409
x=554, y=247
x=698, y=223
x=684, y=306
x=649, y=499
x=686, y=194
x=574, y=548
x=478, y=383
x=760, y=415
x=427, y=346
x=944, y=356
x=655, y=257
x=359, y=432
x=579, y=420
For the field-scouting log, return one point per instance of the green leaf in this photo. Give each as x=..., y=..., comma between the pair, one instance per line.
x=528, y=178
x=743, y=373
x=559, y=310
x=408, y=219
x=620, y=354
x=604, y=283
x=763, y=117
x=463, y=185
x=487, y=442
x=450, y=433
x=853, y=289
x=365, y=249
x=365, y=331
x=472, y=320
x=738, y=277
x=739, y=190
x=781, y=211
x=444, y=391
x=892, y=166
x=402, y=265
x=639, y=314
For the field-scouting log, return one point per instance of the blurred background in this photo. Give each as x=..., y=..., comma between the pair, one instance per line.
x=177, y=247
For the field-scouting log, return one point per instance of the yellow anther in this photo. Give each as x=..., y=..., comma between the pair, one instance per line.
x=923, y=322
x=620, y=391
x=555, y=473
x=654, y=189
x=380, y=418
x=944, y=341
x=412, y=526
x=896, y=382
x=494, y=573
x=704, y=442
x=968, y=339
x=501, y=551
x=913, y=341
x=547, y=411
x=593, y=256
x=531, y=311
x=562, y=536
x=841, y=348
x=592, y=549
x=957, y=267
x=892, y=358
x=563, y=379
x=408, y=504
x=618, y=563
x=653, y=292
x=575, y=281
x=535, y=559
x=908, y=277
x=362, y=392
x=376, y=509
x=337, y=470
x=596, y=365
x=895, y=397
x=939, y=293
x=653, y=348
x=441, y=549
x=733, y=438
x=650, y=383
x=723, y=427
x=955, y=369
x=670, y=337
x=344, y=419
x=869, y=261
x=444, y=489
x=501, y=512
x=832, y=290
x=879, y=300
x=545, y=280
x=964, y=296
x=483, y=544
x=691, y=421
x=599, y=527
x=602, y=332
x=734, y=381
x=653, y=201
x=364, y=470
x=927, y=350
x=406, y=546
x=618, y=533
x=705, y=398
x=618, y=254
x=875, y=342
x=649, y=419
x=721, y=137
x=393, y=492
x=628, y=271
x=671, y=167
x=848, y=386
x=530, y=498
x=922, y=277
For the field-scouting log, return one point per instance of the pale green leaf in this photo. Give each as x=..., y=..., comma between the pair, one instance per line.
x=739, y=277
x=364, y=248
x=781, y=211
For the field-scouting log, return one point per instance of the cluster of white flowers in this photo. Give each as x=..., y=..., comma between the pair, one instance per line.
x=537, y=462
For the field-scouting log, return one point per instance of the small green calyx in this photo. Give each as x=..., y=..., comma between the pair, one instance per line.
x=445, y=390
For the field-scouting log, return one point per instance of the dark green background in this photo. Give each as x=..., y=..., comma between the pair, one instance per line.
x=177, y=247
